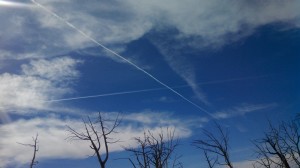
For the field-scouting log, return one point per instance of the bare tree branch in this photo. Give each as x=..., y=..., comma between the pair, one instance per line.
x=156, y=150
x=98, y=138
x=35, y=150
x=280, y=146
x=216, y=144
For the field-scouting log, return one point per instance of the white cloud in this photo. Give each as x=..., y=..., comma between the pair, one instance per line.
x=242, y=110
x=51, y=133
x=187, y=72
x=213, y=22
x=209, y=24
x=52, y=138
x=34, y=33
x=39, y=81
x=39, y=33
x=180, y=64
x=25, y=91
x=56, y=70
x=150, y=118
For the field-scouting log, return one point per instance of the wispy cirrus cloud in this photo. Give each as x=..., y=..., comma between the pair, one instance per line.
x=177, y=60
x=186, y=71
x=242, y=110
x=150, y=117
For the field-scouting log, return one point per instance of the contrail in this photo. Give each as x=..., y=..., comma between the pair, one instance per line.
x=155, y=89
x=119, y=56
x=106, y=94
x=234, y=79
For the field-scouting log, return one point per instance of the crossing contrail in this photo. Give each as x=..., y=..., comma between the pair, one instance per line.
x=106, y=94
x=154, y=89
x=119, y=56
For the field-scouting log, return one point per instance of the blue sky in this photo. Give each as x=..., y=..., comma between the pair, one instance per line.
x=236, y=63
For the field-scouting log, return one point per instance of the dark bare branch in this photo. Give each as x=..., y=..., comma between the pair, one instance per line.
x=156, y=150
x=35, y=150
x=216, y=144
x=98, y=138
x=279, y=147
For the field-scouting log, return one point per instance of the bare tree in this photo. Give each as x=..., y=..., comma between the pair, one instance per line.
x=35, y=150
x=291, y=140
x=98, y=134
x=279, y=147
x=155, y=150
x=217, y=145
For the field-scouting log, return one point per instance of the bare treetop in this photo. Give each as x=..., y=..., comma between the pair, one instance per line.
x=216, y=144
x=98, y=133
x=280, y=146
x=155, y=150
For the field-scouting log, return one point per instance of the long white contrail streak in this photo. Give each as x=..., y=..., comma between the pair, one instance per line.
x=154, y=89
x=119, y=56
x=106, y=94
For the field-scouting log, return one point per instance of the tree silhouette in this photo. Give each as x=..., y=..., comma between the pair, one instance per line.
x=155, y=150
x=35, y=150
x=279, y=147
x=99, y=137
x=217, y=145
